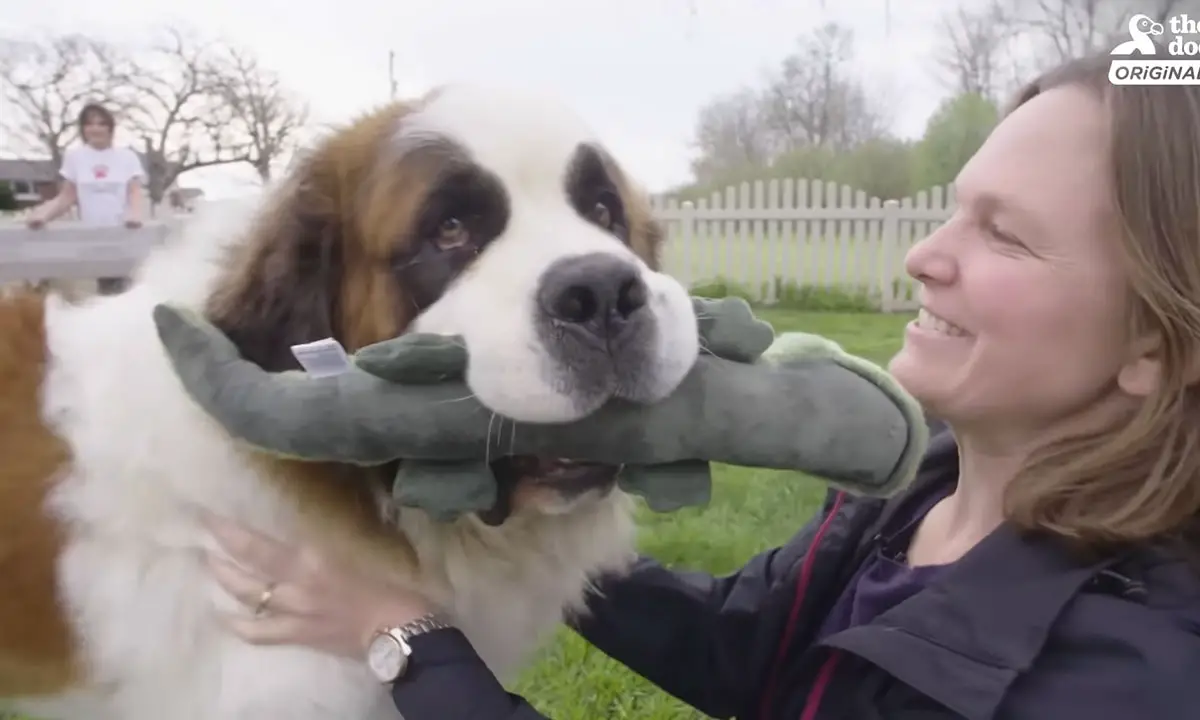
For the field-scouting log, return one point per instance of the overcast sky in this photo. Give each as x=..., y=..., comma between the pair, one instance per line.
x=638, y=70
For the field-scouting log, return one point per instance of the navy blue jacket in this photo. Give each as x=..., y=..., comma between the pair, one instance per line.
x=1016, y=630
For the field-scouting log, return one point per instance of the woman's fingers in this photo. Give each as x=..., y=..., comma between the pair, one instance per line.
x=297, y=594
x=251, y=590
x=264, y=555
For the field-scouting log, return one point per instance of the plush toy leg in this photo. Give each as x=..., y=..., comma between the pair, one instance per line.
x=445, y=489
x=667, y=487
x=416, y=359
x=728, y=329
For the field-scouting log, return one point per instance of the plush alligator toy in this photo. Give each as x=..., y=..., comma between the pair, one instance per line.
x=792, y=402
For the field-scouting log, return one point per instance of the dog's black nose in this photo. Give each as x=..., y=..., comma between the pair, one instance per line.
x=598, y=292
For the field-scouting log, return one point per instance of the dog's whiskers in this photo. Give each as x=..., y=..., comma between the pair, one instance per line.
x=464, y=398
x=703, y=316
x=487, y=452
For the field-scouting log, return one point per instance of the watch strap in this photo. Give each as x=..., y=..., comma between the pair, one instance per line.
x=424, y=624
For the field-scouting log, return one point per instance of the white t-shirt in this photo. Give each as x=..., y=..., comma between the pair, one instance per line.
x=101, y=180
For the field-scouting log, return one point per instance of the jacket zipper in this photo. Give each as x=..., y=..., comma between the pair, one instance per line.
x=824, y=677
x=802, y=583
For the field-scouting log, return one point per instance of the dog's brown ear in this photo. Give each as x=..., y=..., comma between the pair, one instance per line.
x=646, y=234
x=654, y=240
x=283, y=285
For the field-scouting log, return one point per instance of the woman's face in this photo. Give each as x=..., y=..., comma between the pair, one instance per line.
x=1023, y=320
x=96, y=132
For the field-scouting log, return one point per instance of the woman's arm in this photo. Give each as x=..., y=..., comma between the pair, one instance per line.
x=135, y=196
x=705, y=640
x=693, y=635
x=135, y=202
x=67, y=195
x=698, y=637
x=332, y=607
x=449, y=681
x=55, y=206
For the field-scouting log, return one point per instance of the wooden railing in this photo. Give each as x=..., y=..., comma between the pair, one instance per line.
x=71, y=250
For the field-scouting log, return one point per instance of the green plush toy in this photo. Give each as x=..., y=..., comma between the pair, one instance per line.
x=793, y=402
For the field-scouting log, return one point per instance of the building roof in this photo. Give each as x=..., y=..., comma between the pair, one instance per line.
x=190, y=193
x=27, y=170
x=42, y=170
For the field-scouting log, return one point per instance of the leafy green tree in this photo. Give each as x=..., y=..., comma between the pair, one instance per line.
x=8, y=201
x=953, y=134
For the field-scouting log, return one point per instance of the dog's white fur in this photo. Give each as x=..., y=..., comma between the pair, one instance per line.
x=144, y=456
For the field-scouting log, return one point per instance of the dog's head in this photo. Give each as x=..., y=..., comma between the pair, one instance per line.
x=493, y=215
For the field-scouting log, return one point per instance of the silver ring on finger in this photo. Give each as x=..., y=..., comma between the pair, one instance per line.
x=264, y=599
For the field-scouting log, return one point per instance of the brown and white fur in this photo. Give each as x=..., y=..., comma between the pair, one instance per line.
x=491, y=214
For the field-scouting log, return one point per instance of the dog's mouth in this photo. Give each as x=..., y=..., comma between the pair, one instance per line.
x=569, y=478
x=560, y=472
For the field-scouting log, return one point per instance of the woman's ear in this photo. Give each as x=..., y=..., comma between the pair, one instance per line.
x=1141, y=375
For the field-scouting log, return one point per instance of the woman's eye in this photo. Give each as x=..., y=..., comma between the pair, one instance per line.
x=1002, y=236
x=451, y=233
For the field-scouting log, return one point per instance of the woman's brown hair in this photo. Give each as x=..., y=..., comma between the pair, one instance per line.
x=1140, y=481
x=98, y=111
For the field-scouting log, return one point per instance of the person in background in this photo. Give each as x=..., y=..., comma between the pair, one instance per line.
x=1045, y=565
x=102, y=180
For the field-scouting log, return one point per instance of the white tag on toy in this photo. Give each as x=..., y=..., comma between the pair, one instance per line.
x=322, y=358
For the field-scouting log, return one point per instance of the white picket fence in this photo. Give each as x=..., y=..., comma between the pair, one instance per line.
x=767, y=237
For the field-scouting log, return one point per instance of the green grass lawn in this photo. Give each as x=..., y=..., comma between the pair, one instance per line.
x=751, y=510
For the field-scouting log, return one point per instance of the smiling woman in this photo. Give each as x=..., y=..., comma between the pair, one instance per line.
x=1059, y=313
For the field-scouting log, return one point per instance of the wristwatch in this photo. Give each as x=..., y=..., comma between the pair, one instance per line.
x=389, y=649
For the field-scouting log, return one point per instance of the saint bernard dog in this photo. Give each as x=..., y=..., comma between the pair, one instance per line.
x=492, y=214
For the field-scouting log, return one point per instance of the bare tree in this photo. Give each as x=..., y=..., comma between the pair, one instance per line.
x=731, y=135
x=175, y=93
x=1072, y=28
x=44, y=84
x=264, y=111
x=816, y=100
x=976, y=41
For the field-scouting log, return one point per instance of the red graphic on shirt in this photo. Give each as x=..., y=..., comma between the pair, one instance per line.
x=100, y=171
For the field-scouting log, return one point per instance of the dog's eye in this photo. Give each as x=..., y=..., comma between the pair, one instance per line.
x=601, y=214
x=451, y=233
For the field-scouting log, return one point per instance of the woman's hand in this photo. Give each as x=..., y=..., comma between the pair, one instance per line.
x=300, y=596
x=132, y=220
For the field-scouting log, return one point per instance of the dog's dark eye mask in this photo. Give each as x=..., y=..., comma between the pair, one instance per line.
x=466, y=209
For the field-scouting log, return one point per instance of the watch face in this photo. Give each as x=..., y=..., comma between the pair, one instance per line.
x=387, y=657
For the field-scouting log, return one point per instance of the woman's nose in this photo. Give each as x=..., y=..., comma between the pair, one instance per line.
x=930, y=260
